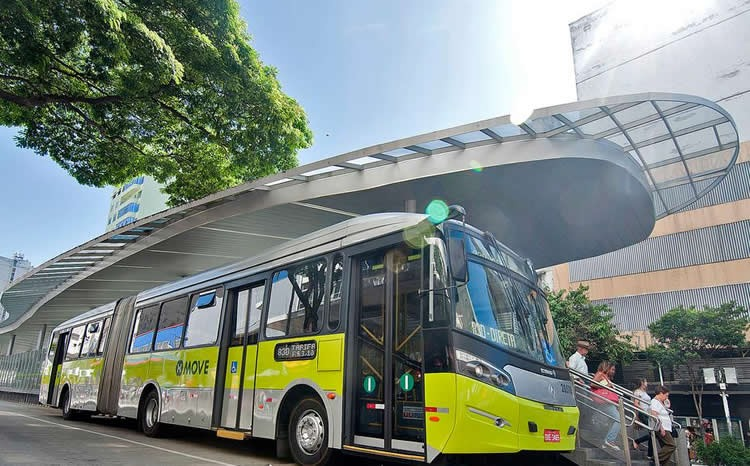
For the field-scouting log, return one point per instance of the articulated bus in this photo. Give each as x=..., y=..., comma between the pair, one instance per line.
x=391, y=335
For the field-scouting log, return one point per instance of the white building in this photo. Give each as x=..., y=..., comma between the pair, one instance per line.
x=12, y=268
x=136, y=199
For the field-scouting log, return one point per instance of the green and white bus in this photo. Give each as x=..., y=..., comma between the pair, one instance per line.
x=390, y=335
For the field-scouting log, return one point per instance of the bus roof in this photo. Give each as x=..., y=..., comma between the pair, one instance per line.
x=357, y=229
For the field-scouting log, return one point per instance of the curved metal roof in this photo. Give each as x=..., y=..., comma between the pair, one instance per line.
x=573, y=181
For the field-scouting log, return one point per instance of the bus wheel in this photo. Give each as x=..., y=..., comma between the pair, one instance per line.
x=68, y=413
x=149, y=415
x=308, y=433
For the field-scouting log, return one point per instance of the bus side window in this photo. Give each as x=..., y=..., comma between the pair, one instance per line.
x=296, y=300
x=171, y=324
x=334, y=305
x=103, y=338
x=203, y=321
x=143, y=330
x=74, y=347
x=91, y=339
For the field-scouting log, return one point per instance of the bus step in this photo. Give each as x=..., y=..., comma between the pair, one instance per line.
x=232, y=434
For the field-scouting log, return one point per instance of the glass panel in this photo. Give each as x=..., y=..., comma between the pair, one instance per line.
x=437, y=314
x=692, y=117
x=334, y=305
x=105, y=333
x=474, y=136
x=507, y=313
x=91, y=339
x=507, y=130
x=727, y=134
x=171, y=324
x=205, y=300
x=544, y=124
x=648, y=131
x=697, y=141
x=598, y=126
x=580, y=114
x=320, y=171
x=660, y=151
x=635, y=113
x=256, y=310
x=408, y=397
x=296, y=299
x=75, y=340
x=399, y=152
x=203, y=323
x=370, y=397
x=364, y=160
x=432, y=145
x=240, y=318
x=710, y=163
x=143, y=335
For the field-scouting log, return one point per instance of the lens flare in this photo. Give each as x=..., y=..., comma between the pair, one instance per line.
x=476, y=166
x=437, y=211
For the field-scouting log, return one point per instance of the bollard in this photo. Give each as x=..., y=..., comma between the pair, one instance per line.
x=681, y=454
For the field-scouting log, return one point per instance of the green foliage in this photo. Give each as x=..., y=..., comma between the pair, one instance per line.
x=112, y=89
x=686, y=334
x=576, y=317
x=729, y=452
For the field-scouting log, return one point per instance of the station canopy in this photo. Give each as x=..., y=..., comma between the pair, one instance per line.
x=573, y=181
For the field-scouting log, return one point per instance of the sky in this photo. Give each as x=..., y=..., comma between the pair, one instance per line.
x=365, y=73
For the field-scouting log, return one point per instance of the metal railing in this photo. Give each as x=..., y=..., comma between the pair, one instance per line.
x=599, y=414
x=22, y=372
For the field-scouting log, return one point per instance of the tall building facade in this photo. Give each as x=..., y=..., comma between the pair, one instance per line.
x=12, y=268
x=700, y=255
x=136, y=199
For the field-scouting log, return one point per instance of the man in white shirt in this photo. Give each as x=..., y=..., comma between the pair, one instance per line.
x=664, y=433
x=577, y=360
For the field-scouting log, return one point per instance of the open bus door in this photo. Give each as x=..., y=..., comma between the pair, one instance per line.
x=386, y=409
x=240, y=347
x=58, y=348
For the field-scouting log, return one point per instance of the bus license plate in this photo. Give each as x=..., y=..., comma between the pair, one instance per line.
x=551, y=435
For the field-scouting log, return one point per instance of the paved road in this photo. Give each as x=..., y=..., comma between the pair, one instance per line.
x=38, y=435
x=31, y=434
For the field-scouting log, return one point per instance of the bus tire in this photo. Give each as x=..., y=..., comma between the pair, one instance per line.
x=308, y=433
x=68, y=413
x=148, y=415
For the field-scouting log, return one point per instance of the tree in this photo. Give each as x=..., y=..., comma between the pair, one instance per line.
x=112, y=89
x=577, y=318
x=688, y=336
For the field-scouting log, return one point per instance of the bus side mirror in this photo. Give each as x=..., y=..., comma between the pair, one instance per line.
x=457, y=253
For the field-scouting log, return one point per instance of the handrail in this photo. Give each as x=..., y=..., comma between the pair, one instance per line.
x=627, y=408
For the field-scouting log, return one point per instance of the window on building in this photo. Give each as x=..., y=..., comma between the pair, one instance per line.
x=143, y=333
x=75, y=341
x=171, y=324
x=296, y=303
x=203, y=321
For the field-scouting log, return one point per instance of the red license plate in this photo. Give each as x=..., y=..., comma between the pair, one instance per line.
x=551, y=435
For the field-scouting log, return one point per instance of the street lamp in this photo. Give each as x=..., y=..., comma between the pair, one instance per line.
x=725, y=375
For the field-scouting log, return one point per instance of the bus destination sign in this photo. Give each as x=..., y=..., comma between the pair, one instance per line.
x=297, y=351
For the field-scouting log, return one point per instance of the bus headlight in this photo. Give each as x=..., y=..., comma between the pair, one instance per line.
x=479, y=369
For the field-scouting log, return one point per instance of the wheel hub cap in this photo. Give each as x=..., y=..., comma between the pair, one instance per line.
x=310, y=432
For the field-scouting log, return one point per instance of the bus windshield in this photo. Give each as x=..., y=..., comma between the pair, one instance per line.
x=504, y=309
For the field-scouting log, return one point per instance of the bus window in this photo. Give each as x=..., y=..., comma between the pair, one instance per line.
x=296, y=297
x=143, y=333
x=203, y=321
x=171, y=324
x=91, y=339
x=103, y=338
x=250, y=299
x=74, y=347
x=334, y=304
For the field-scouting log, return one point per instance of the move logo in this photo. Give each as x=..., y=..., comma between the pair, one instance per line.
x=192, y=367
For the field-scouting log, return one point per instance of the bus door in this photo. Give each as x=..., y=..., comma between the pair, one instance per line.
x=241, y=356
x=57, y=355
x=387, y=406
